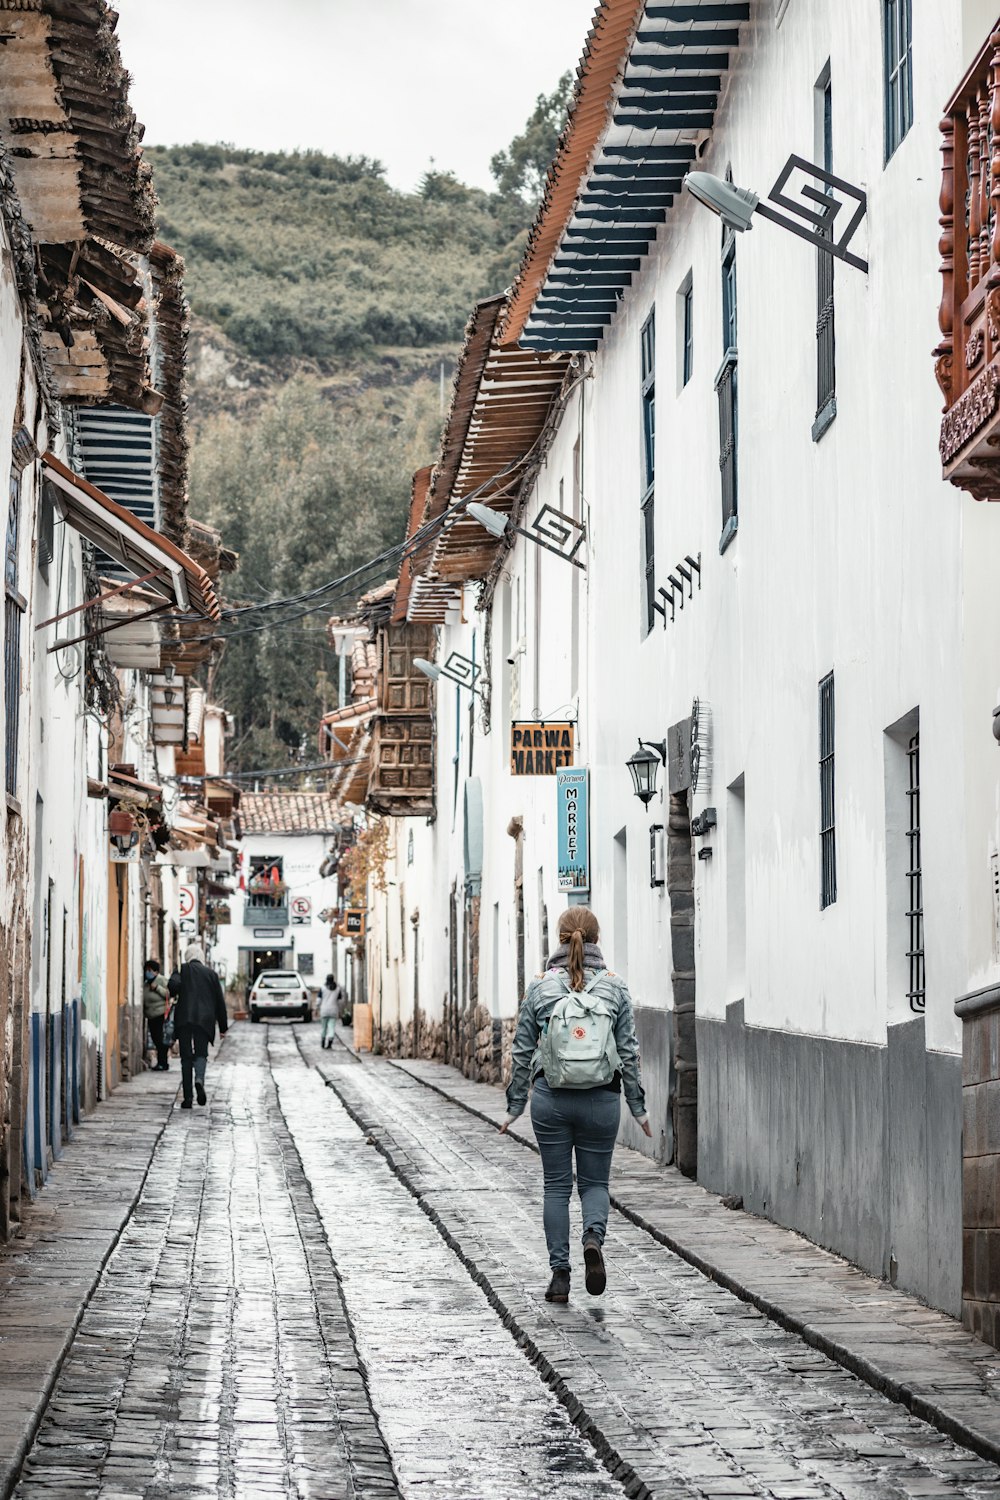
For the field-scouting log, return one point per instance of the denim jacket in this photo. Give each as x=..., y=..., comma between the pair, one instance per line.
x=535, y=1011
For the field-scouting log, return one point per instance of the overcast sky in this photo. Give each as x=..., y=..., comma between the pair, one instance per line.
x=400, y=80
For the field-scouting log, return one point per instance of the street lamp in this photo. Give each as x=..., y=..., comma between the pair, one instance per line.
x=816, y=208
x=457, y=668
x=644, y=766
x=551, y=529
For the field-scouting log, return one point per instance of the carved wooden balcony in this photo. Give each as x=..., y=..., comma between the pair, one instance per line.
x=968, y=356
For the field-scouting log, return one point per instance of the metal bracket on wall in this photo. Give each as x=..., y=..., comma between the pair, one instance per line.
x=675, y=595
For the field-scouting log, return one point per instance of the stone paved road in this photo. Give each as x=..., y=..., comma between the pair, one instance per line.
x=331, y=1285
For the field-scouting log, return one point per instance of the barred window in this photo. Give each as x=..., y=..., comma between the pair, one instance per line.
x=827, y=794
x=916, y=991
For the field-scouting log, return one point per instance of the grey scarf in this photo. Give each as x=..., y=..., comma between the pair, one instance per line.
x=592, y=957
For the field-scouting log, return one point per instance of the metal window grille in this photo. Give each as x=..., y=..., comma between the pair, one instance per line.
x=827, y=799
x=649, y=558
x=648, y=373
x=897, y=65
x=915, y=883
x=688, y=352
x=826, y=375
x=726, y=389
x=14, y=609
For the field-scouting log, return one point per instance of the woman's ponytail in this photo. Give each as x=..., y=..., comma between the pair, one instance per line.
x=578, y=927
x=576, y=959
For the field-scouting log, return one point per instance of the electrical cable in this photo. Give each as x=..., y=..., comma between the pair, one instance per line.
x=397, y=552
x=322, y=765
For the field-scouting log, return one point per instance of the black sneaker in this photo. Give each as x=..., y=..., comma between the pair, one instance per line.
x=199, y=1089
x=187, y=1104
x=558, y=1287
x=593, y=1258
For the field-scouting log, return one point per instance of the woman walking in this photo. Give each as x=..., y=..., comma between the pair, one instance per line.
x=575, y=1048
x=329, y=1009
x=155, y=1000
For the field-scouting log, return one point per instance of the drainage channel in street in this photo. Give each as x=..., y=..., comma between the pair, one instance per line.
x=676, y=1381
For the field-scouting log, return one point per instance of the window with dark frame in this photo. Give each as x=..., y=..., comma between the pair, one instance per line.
x=827, y=790
x=687, y=350
x=14, y=609
x=897, y=70
x=916, y=991
x=826, y=371
x=648, y=373
x=726, y=389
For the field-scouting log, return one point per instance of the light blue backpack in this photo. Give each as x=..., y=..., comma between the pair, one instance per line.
x=577, y=1047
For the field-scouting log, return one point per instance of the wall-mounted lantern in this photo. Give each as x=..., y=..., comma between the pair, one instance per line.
x=169, y=673
x=644, y=768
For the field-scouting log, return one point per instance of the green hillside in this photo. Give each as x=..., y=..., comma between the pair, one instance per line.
x=317, y=256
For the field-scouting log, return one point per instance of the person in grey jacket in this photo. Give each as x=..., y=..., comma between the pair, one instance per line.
x=583, y=1121
x=200, y=1007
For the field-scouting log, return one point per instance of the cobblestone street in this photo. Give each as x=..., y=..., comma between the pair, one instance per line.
x=331, y=1285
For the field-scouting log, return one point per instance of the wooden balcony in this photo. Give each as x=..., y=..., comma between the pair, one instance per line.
x=967, y=360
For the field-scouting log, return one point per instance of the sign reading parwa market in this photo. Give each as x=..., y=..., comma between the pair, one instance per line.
x=540, y=749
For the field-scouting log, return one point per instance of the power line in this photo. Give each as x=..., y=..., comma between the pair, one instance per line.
x=322, y=765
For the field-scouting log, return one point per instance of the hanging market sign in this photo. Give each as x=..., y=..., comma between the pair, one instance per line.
x=573, y=829
x=538, y=748
x=354, y=923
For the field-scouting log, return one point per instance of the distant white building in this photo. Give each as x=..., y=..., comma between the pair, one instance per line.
x=277, y=910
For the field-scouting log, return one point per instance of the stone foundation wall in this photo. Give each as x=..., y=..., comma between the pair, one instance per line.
x=854, y=1145
x=980, y=1015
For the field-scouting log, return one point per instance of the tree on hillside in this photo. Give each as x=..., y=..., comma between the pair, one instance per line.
x=523, y=167
x=305, y=492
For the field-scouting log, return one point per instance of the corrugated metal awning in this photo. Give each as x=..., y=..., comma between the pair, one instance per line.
x=141, y=551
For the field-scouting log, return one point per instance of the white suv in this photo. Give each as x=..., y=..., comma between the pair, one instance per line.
x=280, y=992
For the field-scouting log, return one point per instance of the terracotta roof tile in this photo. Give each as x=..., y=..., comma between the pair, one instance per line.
x=287, y=812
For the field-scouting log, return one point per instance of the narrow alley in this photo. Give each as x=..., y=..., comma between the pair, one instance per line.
x=331, y=1284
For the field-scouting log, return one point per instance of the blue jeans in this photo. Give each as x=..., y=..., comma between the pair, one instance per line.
x=329, y=1024
x=584, y=1121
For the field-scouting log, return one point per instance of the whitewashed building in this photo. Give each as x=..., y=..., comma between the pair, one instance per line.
x=277, y=911
x=94, y=327
x=782, y=596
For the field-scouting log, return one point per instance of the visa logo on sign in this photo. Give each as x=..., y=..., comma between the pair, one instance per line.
x=540, y=749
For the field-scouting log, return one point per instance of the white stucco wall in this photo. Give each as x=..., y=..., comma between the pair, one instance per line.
x=302, y=855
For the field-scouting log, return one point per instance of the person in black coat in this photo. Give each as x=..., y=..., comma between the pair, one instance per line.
x=199, y=1006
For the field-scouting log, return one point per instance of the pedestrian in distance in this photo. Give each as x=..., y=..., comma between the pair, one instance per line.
x=200, y=1007
x=331, y=997
x=155, y=1003
x=575, y=1048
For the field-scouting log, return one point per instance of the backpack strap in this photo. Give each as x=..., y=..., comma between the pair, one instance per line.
x=601, y=974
